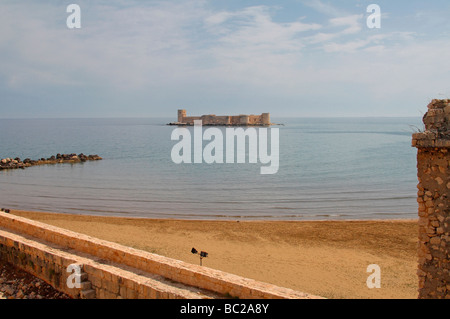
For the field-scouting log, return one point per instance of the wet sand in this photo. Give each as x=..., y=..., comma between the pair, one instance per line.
x=325, y=258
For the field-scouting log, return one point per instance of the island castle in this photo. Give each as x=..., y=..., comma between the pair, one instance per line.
x=227, y=120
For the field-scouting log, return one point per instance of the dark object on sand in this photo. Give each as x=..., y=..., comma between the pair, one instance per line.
x=203, y=254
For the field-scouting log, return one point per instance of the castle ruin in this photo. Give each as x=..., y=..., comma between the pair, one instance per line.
x=227, y=120
x=433, y=170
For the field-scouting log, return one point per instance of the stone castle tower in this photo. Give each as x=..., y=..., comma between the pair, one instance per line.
x=181, y=115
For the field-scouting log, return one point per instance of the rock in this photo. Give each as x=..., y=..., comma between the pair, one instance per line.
x=439, y=180
x=20, y=294
x=18, y=284
x=8, y=290
x=435, y=240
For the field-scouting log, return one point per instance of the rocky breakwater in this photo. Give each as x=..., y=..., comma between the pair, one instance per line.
x=17, y=163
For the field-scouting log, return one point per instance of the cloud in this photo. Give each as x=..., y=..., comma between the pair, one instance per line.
x=252, y=34
x=352, y=23
x=150, y=44
x=155, y=54
x=113, y=47
x=337, y=28
x=369, y=43
x=324, y=8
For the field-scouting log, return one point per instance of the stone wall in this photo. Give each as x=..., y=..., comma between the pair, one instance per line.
x=111, y=270
x=98, y=279
x=433, y=169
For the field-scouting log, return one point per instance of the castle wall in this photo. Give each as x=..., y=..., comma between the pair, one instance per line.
x=189, y=120
x=255, y=120
x=433, y=171
x=236, y=120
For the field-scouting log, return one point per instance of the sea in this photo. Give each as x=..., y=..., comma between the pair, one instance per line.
x=329, y=169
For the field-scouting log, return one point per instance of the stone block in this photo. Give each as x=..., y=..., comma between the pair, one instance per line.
x=85, y=285
x=123, y=292
x=88, y=294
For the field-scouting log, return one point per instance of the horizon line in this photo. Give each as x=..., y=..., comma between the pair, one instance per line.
x=166, y=117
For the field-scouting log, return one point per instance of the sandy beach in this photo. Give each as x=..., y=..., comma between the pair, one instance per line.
x=325, y=258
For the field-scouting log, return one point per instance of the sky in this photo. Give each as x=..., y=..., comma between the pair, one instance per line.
x=296, y=58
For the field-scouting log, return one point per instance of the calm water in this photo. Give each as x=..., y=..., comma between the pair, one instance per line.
x=329, y=169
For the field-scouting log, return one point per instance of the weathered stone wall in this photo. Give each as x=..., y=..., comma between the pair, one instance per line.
x=36, y=260
x=98, y=279
x=189, y=120
x=105, y=266
x=433, y=169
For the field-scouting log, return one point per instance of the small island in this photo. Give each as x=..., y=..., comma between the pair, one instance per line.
x=226, y=120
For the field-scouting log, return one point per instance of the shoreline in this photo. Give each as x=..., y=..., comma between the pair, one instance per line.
x=324, y=258
x=219, y=219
